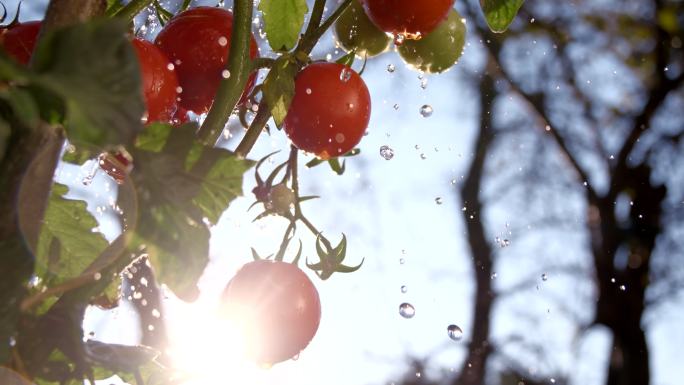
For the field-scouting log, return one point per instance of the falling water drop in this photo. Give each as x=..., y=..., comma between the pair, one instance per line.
x=438, y=200
x=386, y=152
x=390, y=68
x=407, y=310
x=403, y=289
x=454, y=332
x=544, y=277
x=426, y=110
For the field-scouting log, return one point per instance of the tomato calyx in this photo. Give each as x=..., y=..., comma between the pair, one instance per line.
x=334, y=163
x=331, y=258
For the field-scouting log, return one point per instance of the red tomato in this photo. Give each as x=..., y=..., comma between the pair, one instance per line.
x=19, y=39
x=160, y=83
x=330, y=110
x=276, y=307
x=197, y=42
x=410, y=17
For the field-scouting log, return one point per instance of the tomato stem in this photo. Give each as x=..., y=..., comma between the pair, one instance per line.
x=254, y=130
x=314, y=32
x=238, y=66
x=130, y=10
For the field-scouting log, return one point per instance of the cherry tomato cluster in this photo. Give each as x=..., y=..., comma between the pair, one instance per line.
x=274, y=303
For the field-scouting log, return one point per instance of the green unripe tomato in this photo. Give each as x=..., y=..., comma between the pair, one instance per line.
x=438, y=50
x=354, y=30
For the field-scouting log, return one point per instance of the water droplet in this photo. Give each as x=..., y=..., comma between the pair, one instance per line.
x=403, y=289
x=170, y=66
x=423, y=83
x=308, y=91
x=390, y=68
x=12, y=341
x=454, y=332
x=399, y=39
x=345, y=74
x=386, y=152
x=402, y=261
x=295, y=357
x=623, y=287
x=553, y=380
x=544, y=277
x=407, y=310
x=225, y=74
x=423, y=156
x=426, y=110
x=438, y=200
x=494, y=275
x=97, y=276
x=156, y=313
x=418, y=374
x=396, y=106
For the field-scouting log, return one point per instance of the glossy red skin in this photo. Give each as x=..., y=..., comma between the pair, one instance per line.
x=159, y=83
x=19, y=40
x=277, y=308
x=331, y=119
x=410, y=17
x=191, y=42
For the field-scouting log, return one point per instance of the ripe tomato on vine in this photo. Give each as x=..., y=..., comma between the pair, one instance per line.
x=330, y=110
x=197, y=42
x=275, y=306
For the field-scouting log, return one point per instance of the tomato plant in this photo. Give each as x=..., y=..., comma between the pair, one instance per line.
x=440, y=49
x=330, y=110
x=160, y=84
x=88, y=86
x=197, y=42
x=409, y=17
x=277, y=308
x=354, y=31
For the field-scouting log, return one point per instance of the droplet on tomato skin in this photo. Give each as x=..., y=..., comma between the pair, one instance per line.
x=308, y=91
x=170, y=67
x=426, y=111
x=386, y=152
x=345, y=74
x=454, y=332
x=339, y=137
x=225, y=74
x=223, y=41
x=407, y=310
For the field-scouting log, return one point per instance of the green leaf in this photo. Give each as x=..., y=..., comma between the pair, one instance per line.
x=279, y=88
x=23, y=105
x=500, y=13
x=283, y=21
x=153, y=137
x=347, y=59
x=179, y=188
x=67, y=243
x=222, y=184
x=94, y=68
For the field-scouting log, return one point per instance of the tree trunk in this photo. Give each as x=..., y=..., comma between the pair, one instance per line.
x=474, y=367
